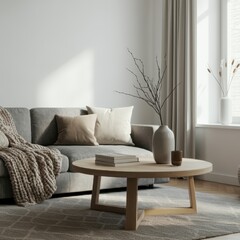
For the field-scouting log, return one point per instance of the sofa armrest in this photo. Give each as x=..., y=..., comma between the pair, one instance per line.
x=142, y=135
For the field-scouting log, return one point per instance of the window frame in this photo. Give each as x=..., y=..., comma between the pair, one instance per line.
x=225, y=41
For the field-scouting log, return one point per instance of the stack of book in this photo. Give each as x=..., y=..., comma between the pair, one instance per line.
x=114, y=160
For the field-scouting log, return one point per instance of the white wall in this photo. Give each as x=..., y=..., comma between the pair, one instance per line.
x=221, y=147
x=73, y=53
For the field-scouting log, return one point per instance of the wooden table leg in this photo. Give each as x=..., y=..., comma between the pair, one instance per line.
x=133, y=216
x=95, y=205
x=178, y=210
x=192, y=195
x=95, y=191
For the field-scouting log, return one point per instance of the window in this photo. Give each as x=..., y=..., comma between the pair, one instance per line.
x=208, y=54
x=218, y=37
x=232, y=41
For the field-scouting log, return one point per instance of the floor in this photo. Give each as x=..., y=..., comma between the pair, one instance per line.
x=211, y=187
x=205, y=186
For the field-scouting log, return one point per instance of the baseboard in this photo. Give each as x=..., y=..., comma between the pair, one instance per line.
x=220, y=178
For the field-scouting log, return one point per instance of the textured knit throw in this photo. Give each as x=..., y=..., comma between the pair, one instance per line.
x=32, y=168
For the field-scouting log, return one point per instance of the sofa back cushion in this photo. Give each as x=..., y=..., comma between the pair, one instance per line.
x=44, y=126
x=21, y=118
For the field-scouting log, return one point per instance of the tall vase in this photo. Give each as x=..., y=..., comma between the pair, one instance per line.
x=226, y=110
x=163, y=144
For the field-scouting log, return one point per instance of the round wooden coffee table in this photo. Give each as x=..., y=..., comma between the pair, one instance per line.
x=146, y=168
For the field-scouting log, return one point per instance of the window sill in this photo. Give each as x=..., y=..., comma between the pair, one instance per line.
x=218, y=125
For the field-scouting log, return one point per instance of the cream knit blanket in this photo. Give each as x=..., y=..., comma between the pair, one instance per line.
x=32, y=168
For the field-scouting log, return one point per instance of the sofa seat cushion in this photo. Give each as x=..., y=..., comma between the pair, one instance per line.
x=77, y=152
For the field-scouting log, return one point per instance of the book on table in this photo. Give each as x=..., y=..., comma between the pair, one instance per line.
x=112, y=164
x=113, y=159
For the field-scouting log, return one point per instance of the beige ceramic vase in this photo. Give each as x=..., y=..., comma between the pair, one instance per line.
x=163, y=144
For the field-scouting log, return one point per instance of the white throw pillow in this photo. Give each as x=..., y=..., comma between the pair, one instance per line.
x=113, y=125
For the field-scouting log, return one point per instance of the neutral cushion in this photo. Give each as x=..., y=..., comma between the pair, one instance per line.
x=77, y=152
x=3, y=140
x=113, y=125
x=76, y=130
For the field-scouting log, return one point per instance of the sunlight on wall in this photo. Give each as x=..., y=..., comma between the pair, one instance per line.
x=70, y=85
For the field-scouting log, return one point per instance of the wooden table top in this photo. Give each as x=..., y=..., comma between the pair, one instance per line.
x=145, y=168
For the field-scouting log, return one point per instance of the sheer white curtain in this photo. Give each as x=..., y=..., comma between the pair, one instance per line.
x=179, y=43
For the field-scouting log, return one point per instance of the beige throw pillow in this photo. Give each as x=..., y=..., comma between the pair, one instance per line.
x=3, y=140
x=113, y=125
x=76, y=130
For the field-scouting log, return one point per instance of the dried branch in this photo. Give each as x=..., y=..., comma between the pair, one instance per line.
x=162, y=105
x=225, y=88
x=218, y=82
x=147, y=89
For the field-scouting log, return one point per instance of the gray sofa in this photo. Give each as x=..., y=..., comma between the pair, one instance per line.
x=239, y=174
x=38, y=125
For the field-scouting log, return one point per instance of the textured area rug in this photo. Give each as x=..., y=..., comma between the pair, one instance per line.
x=70, y=218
